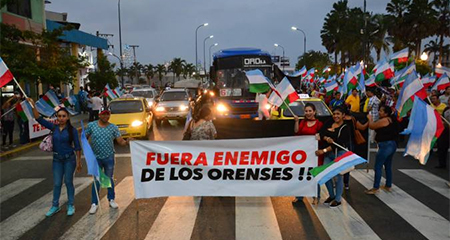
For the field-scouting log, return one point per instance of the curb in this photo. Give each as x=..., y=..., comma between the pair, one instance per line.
x=5, y=156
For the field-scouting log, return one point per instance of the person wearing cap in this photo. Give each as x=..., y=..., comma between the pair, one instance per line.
x=102, y=134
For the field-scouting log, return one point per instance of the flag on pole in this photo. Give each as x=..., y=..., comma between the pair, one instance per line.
x=350, y=80
x=425, y=126
x=428, y=80
x=324, y=173
x=310, y=75
x=91, y=161
x=51, y=99
x=331, y=87
x=370, y=82
x=384, y=71
x=442, y=83
x=258, y=82
x=43, y=108
x=118, y=91
x=109, y=93
x=24, y=110
x=5, y=75
x=325, y=70
x=441, y=70
x=362, y=84
x=400, y=56
x=401, y=75
x=412, y=88
x=302, y=72
x=283, y=93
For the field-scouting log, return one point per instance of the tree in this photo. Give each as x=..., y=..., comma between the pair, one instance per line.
x=161, y=71
x=188, y=70
x=314, y=59
x=103, y=75
x=443, y=26
x=432, y=47
x=149, y=71
x=379, y=40
x=176, y=66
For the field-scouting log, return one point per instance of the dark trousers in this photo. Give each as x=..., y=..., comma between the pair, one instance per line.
x=95, y=114
x=7, y=130
x=24, y=131
x=91, y=116
x=442, y=145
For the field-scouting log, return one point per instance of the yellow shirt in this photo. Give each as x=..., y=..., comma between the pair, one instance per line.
x=440, y=108
x=366, y=106
x=354, y=103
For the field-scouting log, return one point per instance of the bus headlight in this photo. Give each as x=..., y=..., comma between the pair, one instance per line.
x=221, y=108
x=183, y=107
x=160, y=109
x=268, y=106
x=136, y=123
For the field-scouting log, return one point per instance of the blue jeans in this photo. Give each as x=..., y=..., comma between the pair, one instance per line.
x=63, y=166
x=107, y=165
x=337, y=195
x=384, y=156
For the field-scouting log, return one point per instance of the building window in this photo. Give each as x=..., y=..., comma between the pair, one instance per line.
x=22, y=8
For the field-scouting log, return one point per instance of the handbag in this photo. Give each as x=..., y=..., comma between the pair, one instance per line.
x=47, y=144
x=359, y=139
x=187, y=133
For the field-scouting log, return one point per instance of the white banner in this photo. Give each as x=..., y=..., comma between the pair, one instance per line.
x=237, y=167
x=36, y=129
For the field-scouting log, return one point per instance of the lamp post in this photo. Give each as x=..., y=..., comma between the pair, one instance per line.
x=196, y=55
x=215, y=44
x=120, y=47
x=304, y=37
x=278, y=45
x=204, y=54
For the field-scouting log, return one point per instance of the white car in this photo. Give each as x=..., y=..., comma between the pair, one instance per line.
x=148, y=93
x=173, y=104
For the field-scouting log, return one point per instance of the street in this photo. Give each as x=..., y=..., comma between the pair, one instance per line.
x=417, y=208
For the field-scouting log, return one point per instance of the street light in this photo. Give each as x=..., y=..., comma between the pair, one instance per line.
x=204, y=54
x=120, y=46
x=304, y=37
x=196, y=56
x=278, y=45
x=424, y=56
x=120, y=61
x=215, y=44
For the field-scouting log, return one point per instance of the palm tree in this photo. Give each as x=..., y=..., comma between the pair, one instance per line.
x=188, y=69
x=161, y=71
x=149, y=71
x=176, y=66
x=330, y=37
x=396, y=22
x=379, y=40
x=432, y=47
x=443, y=28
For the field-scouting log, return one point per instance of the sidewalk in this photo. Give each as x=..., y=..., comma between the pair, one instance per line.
x=17, y=147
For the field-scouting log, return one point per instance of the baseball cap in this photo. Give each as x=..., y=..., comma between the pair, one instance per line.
x=105, y=110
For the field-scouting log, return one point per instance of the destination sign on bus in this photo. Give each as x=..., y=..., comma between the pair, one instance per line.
x=255, y=62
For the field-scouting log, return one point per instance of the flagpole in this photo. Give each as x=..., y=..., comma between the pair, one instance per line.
x=96, y=194
x=8, y=112
x=442, y=117
x=24, y=94
x=368, y=150
x=279, y=95
x=343, y=148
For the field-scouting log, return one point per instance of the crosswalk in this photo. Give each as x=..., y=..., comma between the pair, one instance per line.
x=248, y=218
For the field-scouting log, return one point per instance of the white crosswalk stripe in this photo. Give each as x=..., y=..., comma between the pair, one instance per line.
x=352, y=226
x=256, y=219
x=430, y=180
x=426, y=221
x=17, y=187
x=50, y=157
x=96, y=225
x=28, y=217
x=176, y=219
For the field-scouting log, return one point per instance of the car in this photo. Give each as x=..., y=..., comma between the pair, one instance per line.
x=132, y=115
x=173, y=104
x=148, y=93
x=323, y=113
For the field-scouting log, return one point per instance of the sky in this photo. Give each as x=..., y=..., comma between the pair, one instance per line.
x=165, y=29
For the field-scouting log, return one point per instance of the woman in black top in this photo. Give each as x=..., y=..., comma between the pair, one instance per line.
x=337, y=132
x=386, y=136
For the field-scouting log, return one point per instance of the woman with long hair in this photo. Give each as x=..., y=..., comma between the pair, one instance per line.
x=66, y=157
x=201, y=126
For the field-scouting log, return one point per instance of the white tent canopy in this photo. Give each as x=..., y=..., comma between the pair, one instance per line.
x=188, y=83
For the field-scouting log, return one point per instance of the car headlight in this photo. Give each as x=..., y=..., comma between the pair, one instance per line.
x=268, y=106
x=160, y=109
x=183, y=107
x=136, y=123
x=150, y=103
x=211, y=93
x=221, y=108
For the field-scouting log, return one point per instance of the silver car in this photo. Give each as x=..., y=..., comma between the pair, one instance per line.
x=148, y=93
x=173, y=104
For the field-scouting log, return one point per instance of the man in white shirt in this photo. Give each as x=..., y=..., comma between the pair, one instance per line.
x=97, y=104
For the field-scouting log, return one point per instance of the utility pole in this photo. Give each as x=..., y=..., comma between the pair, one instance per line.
x=120, y=48
x=363, y=31
x=134, y=51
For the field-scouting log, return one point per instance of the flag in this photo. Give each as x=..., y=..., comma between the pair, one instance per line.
x=258, y=82
x=384, y=71
x=327, y=171
x=400, y=56
x=331, y=87
x=66, y=102
x=109, y=93
x=442, y=83
x=325, y=70
x=412, y=87
x=428, y=80
x=401, y=75
x=425, y=126
x=361, y=83
x=310, y=75
x=5, y=75
x=370, y=81
x=302, y=72
x=72, y=100
x=350, y=80
x=441, y=70
x=24, y=110
x=91, y=161
x=118, y=91
x=43, y=108
x=283, y=93
x=51, y=99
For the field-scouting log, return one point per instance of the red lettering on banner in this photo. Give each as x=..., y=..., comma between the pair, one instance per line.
x=283, y=157
x=175, y=158
x=201, y=159
x=231, y=159
x=218, y=159
x=302, y=155
x=35, y=127
x=259, y=159
x=272, y=157
x=186, y=158
x=244, y=158
x=150, y=158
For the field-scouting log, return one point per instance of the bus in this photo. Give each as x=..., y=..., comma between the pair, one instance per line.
x=230, y=84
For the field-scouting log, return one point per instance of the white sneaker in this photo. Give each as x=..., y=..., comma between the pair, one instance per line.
x=113, y=204
x=93, y=208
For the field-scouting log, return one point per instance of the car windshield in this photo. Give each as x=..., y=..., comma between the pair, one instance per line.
x=298, y=107
x=174, y=96
x=126, y=107
x=146, y=94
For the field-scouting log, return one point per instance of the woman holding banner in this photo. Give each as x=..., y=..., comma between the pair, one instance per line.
x=336, y=132
x=308, y=126
x=66, y=145
x=202, y=127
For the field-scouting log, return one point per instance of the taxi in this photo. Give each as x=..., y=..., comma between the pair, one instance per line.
x=298, y=107
x=132, y=115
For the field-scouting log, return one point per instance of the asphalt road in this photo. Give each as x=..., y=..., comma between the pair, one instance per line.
x=418, y=207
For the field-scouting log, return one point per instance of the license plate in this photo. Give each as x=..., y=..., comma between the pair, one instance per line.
x=123, y=132
x=245, y=116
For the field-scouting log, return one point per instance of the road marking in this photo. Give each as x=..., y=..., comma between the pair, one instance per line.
x=256, y=219
x=17, y=187
x=342, y=222
x=28, y=217
x=428, y=179
x=50, y=157
x=96, y=225
x=426, y=221
x=399, y=150
x=176, y=219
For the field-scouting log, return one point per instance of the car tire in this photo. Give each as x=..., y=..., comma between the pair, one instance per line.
x=158, y=122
